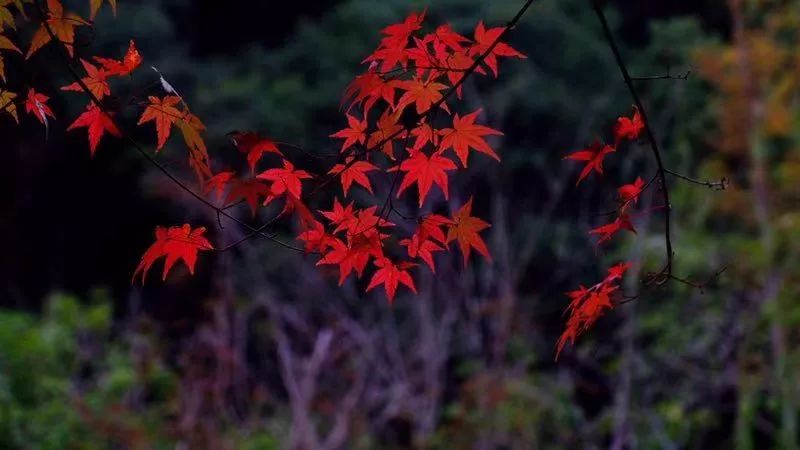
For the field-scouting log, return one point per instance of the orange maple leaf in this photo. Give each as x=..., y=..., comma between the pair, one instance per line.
x=465, y=229
x=465, y=135
x=164, y=113
x=62, y=25
x=95, y=80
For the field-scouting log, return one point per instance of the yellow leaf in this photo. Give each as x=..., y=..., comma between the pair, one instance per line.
x=95, y=5
x=6, y=19
x=6, y=44
x=7, y=104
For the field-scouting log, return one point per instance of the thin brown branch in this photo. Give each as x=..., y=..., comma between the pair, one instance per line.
x=649, y=131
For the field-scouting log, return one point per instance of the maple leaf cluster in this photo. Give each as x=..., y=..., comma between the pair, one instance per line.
x=398, y=125
x=587, y=305
x=400, y=128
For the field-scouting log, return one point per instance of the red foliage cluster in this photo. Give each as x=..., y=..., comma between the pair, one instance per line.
x=399, y=124
x=588, y=304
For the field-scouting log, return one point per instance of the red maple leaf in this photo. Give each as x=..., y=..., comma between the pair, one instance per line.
x=390, y=276
x=458, y=64
x=355, y=132
x=174, y=243
x=465, y=135
x=254, y=146
x=350, y=172
x=630, y=193
x=594, y=155
x=95, y=80
x=424, y=172
x=36, y=104
x=424, y=134
x=465, y=229
x=484, y=38
x=316, y=238
x=389, y=57
x=367, y=222
x=430, y=227
x=129, y=63
x=388, y=130
x=368, y=89
x=397, y=34
x=98, y=124
x=219, y=183
x=284, y=180
x=422, y=249
x=629, y=128
x=354, y=255
x=588, y=304
x=343, y=217
x=586, y=307
x=446, y=41
x=607, y=231
x=249, y=191
x=423, y=94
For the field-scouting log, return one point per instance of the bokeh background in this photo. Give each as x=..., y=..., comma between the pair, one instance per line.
x=260, y=350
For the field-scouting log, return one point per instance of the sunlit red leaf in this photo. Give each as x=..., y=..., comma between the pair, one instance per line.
x=484, y=38
x=284, y=180
x=129, y=63
x=174, y=243
x=391, y=276
x=355, y=132
x=36, y=105
x=351, y=172
x=425, y=171
x=466, y=135
x=98, y=123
